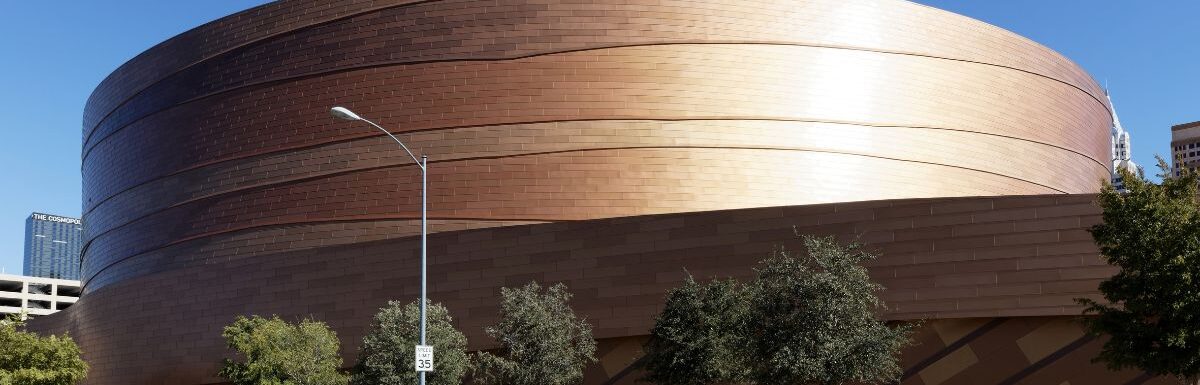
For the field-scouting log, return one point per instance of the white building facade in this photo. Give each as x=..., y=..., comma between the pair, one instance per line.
x=36, y=296
x=1122, y=154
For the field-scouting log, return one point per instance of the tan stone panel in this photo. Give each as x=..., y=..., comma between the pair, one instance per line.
x=1076, y=366
x=949, y=366
x=952, y=330
x=622, y=354
x=1048, y=338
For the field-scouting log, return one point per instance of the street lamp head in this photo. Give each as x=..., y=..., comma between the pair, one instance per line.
x=343, y=113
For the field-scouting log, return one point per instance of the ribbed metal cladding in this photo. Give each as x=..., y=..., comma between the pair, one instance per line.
x=217, y=184
x=217, y=143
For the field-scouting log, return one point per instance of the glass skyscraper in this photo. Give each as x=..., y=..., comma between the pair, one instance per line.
x=52, y=245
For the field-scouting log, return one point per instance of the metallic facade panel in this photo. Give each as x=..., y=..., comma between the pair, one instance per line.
x=880, y=125
x=573, y=141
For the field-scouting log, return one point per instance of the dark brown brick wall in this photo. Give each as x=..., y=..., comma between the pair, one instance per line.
x=944, y=258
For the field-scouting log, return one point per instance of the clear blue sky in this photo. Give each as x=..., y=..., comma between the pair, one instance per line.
x=54, y=54
x=1147, y=51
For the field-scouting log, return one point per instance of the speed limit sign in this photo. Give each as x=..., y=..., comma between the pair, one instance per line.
x=424, y=358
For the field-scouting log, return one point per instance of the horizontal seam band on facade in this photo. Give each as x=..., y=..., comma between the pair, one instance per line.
x=362, y=218
x=93, y=238
x=404, y=63
x=371, y=134
x=319, y=23
x=236, y=47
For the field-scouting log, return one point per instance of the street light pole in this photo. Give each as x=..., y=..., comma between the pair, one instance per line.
x=424, y=194
x=423, y=163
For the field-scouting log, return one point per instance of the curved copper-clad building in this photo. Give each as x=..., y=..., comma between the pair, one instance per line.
x=537, y=112
x=217, y=184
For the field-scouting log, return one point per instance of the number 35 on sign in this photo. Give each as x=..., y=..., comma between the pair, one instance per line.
x=424, y=361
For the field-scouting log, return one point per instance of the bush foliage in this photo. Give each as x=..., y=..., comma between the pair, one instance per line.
x=541, y=340
x=806, y=318
x=387, y=355
x=1152, y=305
x=276, y=352
x=29, y=359
x=697, y=338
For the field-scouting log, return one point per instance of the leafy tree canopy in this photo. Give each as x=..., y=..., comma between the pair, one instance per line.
x=698, y=338
x=1152, y=308
x=541, y=340
x=387, y=355
x=29, y=359
x=805, y=319
x=814, y=319
x=280, y=353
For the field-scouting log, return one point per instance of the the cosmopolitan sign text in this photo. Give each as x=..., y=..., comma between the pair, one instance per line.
x=55, y=218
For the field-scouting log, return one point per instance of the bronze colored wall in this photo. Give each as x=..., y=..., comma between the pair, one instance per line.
x=953, y=351
x=1024, y=257
x=541, y=111
x=581, y=142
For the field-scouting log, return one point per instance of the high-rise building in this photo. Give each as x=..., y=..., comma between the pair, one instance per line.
x=52, y=245
x=1122, y=154
x=1185, y=146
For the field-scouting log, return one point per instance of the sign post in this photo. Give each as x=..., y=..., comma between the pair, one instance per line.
x=424, y=358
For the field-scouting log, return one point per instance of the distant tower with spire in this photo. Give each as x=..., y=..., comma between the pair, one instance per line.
x=1121, y=153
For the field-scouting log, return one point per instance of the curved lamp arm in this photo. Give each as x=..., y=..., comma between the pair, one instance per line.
x=344, y=113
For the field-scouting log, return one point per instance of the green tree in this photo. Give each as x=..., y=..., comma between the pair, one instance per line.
x=541, y=340
x=813, y=319
x=386, y=356
x=279, y=353
x=699, y=336
x=29, y=359
x=1152, y=308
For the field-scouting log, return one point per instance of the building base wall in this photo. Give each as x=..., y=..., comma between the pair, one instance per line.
x=995, y=278
x=960, y=351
